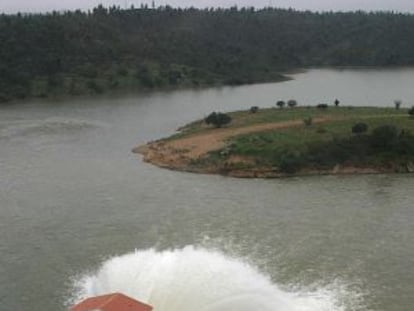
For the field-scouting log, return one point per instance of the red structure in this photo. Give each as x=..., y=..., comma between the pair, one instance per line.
x=111, y=302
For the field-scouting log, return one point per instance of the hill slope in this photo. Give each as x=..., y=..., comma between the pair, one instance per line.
x=108, y=48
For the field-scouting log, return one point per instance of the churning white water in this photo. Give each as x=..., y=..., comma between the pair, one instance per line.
x=197, y=279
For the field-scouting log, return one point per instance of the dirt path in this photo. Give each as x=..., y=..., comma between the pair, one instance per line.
x=178, y=153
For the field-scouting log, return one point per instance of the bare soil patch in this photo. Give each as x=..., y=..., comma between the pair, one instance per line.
x=181, y=152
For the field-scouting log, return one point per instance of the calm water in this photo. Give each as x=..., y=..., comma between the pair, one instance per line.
x=74, y=200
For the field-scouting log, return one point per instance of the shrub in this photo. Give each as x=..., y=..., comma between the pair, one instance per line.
x=254, y=109
x=92, y=85
x=218, y=119
x=174, y=76
x=384, y=137
x=360, y=128
x=3, y=98
x=114, y=83
x=321, y=130
x=292, y=103
x=145, y=76
x=122, y=71
x=88, y=71
x=290, y=163
x=322, y=106
x=337, y=151
x=19, y=91
x=280, y=103
x=405, y=143
x=308, y=121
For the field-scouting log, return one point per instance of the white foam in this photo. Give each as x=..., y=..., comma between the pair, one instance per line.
x=197, y=279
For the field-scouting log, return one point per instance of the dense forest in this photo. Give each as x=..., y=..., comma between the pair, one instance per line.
x=71, y=53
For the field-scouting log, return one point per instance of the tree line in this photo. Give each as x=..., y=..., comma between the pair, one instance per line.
x=141, y=48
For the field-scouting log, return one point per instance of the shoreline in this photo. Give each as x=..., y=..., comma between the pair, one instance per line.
x=285, y=75
x=139, y=90
x=149, y=155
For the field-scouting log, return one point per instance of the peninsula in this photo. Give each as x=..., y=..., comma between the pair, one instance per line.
x=277, y=142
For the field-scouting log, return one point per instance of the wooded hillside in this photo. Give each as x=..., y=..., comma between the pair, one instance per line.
x=108, y=48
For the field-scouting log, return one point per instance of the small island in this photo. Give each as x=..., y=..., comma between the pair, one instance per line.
x=288, y=140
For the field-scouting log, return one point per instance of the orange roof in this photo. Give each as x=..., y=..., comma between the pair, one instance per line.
x=111, y=302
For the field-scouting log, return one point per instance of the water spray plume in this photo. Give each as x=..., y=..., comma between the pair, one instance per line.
x=190, y=279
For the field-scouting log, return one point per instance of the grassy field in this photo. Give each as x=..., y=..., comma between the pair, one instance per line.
x=338, y=125
x=341, y=117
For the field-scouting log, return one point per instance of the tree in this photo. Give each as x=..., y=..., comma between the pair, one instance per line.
x=411, y=111
x=292, y=103
x=360, y=128
x=397, y=104
x=144, y=75
x=336, y=102
x=280, y=103
x=254, y=109
x=218, y=119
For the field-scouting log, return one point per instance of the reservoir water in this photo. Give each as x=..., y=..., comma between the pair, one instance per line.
x=81, y=215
